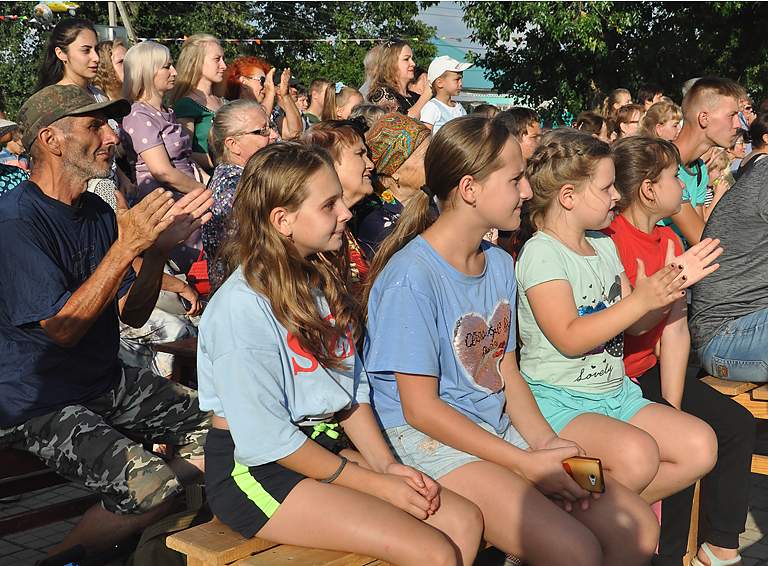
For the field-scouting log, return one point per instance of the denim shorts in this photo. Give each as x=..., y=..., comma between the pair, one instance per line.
x=414, y=448
x=739, y=349
x=560, y=406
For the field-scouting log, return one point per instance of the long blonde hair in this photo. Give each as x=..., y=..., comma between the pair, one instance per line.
x=190, y=65
x=277, y=176
x=470, y=145
x=565, y=156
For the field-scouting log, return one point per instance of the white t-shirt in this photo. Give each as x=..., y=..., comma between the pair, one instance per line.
x=437, y=113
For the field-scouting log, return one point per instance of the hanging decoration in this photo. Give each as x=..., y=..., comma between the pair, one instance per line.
x=259, y=41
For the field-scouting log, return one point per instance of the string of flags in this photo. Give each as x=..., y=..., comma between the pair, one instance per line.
x=259, y=41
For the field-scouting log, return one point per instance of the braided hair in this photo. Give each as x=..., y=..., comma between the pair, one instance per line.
x=565, y=156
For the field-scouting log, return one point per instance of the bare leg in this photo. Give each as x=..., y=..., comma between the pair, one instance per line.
x=332, y=517
x=519, y=520
x=630, y=455
x=100, y=529
x=462, y=523
x=687, y=447
x=624, y=523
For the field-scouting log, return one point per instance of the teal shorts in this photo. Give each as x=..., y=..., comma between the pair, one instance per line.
x=560, y=406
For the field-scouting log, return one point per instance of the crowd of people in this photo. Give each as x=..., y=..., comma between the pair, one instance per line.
x=407, y=317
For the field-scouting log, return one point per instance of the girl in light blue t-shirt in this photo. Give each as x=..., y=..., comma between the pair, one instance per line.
x=277, y=366
x=440, y=355
x=575, y=304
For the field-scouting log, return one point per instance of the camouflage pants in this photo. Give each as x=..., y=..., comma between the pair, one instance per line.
x=99, y=443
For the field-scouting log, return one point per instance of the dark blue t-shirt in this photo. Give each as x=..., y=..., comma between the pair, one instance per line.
x=47, y=250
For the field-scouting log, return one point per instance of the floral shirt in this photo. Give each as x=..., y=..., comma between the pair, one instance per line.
x=391, y=100
x=223, y=185
x=10, y=177
x=376, y=216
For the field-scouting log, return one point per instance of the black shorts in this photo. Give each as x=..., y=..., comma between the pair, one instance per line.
x=244, y=498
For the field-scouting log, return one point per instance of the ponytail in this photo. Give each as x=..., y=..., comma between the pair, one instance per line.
x=470, y=145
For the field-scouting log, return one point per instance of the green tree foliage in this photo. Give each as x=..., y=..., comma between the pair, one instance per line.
x=21, y=43
x=573, y=52
x=20, y=52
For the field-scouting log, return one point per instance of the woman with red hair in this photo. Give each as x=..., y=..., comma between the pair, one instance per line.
x=252, y=78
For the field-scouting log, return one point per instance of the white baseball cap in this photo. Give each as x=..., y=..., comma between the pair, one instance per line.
x=439, y=65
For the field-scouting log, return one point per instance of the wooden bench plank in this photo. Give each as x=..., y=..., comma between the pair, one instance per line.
x=759, y=409
x=286, y=555
x=759, y=464
x=215, y=544
x=760, y=393
x=730, y=388
x=46, y=515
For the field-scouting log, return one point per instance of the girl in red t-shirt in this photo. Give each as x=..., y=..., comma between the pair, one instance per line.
x=646, y=178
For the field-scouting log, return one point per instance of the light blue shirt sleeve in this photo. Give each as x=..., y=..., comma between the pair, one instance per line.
x=404, y=336
x=256, y=409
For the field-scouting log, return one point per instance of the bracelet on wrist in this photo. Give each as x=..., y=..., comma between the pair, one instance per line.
x=337, y=473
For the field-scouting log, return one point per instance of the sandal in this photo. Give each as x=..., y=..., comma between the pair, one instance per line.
x=714, y=560
x=512, y=560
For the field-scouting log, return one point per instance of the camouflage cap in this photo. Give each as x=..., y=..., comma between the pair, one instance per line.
x=59, y=101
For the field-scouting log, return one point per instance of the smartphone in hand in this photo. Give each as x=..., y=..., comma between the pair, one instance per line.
x=587, y=472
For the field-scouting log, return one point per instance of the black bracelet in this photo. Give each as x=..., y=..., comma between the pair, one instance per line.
x=337, y=473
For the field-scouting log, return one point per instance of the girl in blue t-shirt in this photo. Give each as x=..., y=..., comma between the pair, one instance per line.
x=440, y=355
x=278, y=368
x=576, y=302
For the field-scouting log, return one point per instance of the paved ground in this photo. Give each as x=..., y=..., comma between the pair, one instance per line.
x=25, y=548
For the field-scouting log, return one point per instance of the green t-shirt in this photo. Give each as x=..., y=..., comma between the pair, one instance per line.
x=596, y=284
x=203, y=117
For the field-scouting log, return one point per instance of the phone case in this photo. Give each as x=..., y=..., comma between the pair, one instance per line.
x=587, y=472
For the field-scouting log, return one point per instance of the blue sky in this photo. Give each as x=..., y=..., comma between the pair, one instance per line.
x=446, y=17
x=453, y=39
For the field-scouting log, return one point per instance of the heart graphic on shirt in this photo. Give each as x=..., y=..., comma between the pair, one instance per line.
x=479, y=345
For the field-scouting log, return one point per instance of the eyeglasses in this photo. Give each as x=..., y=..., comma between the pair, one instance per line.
x=748, y=109
x=261, y=78
x=265, y=131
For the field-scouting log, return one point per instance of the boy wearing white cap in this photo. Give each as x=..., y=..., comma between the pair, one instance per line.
x=444, y=75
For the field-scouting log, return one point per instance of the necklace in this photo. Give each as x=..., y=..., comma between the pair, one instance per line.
x=598, y=281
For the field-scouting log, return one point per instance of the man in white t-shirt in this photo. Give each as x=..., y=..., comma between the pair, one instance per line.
x=445, y=76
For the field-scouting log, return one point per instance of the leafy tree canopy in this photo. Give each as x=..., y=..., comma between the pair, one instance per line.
x=572, y=53
x=22, y=42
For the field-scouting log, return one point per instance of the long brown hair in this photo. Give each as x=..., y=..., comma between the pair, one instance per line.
x=470, y=145
x=106, y=78
x=277, y=176
x=385, y=73
x=638, y=158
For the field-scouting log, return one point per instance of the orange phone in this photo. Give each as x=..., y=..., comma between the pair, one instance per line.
x=587, y=472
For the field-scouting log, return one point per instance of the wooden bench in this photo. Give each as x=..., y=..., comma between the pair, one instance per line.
x=184, y=361
x=21, y=473
x=215, y=544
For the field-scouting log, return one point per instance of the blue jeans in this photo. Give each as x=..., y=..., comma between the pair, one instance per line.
x=739, y=350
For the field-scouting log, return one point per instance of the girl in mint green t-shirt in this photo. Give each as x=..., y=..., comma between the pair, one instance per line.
x=440, y=355
x=575, y=304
